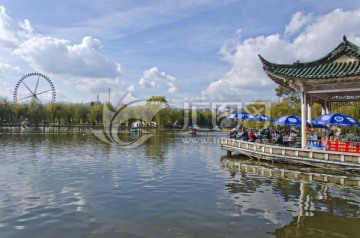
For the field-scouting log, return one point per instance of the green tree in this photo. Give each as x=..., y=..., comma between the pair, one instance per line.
x=5, y=111
x=54, y=112
x=20, y=112
x=290, y=95
x=36, y=113
x=95, y=113
x=158, y=100
x=281, y=108
x=80, y=113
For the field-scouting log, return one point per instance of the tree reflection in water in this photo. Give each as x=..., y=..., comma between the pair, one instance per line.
x=327, y=201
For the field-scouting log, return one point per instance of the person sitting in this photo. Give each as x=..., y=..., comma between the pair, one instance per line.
x=252, y=136
x=331, y=135
x=337, y=133
x=233, y=134
x=244, y=135
x=273, y=134
x=263, y=132
x=268, y=135
x=279, y=140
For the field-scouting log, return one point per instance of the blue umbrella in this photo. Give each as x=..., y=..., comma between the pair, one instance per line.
x=245, y=116
x=262, y=118
x=288, y=121
x=336, y=119
x=315, y=125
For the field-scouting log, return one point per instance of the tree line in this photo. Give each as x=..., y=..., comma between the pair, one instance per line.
x=156, y=109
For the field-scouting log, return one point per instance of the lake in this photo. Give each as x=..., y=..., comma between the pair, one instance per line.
x=68, y=183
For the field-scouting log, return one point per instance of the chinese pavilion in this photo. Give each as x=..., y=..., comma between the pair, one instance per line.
x=332, y=78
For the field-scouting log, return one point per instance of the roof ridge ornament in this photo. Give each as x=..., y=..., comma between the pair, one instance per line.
x=345, y=40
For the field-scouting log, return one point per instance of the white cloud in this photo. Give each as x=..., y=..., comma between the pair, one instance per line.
x=8, y=39
x=298, y=20
x=325, y=33
x=59, y=56
x=81, y=66
x=153, y=78
x=246, y=79
x=8, y=70
x=99, y=85
x=8, y=76
x=11, y=34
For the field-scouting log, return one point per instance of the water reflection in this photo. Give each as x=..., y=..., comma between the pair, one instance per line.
x=68, y=183
x=320, y=224
x=157, y=146
x=317, y=200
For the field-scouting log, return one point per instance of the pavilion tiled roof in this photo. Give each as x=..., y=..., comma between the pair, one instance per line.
x=343, y=61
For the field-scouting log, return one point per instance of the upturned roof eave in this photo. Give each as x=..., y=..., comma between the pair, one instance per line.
x=285, y=81
x=338, y=51
x=280, y=79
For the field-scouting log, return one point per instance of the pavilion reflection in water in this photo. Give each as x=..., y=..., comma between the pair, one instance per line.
x=322, y=209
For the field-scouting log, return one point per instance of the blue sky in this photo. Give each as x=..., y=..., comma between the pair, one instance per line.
x=203, y=50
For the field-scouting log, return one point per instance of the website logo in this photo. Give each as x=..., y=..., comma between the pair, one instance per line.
x=127, y=125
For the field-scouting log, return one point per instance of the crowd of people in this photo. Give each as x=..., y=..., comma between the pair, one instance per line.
x=332, y=139
x=265, y=135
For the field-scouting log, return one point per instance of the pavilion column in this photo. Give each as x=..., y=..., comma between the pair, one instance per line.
x=327, y=106
x=303, y=119
x=323, y=110
x=309, y=110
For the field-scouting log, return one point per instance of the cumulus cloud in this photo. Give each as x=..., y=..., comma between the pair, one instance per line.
x=8, y=38
x=246, y=78
x=59, y=56
x=8, y=75
x=325, y=32
x=79, y=64
x=6, y=70
x=95, y=86
x=316, y=36
x=298, y=20
x=153, y=78
x=11, y=34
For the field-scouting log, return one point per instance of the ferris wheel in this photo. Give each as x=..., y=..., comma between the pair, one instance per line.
x=34, y=88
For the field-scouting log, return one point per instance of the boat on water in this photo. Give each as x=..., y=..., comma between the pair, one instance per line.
x=134, y=129
x=174, y=125
x=25, y=124
x=192, y=130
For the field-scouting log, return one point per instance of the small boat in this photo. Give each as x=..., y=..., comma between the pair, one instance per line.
x=25, y=124
x=173, y=126
x=192, y=130
x=134, y=129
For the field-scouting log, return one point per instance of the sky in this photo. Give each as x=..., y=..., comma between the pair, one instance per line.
x=185, y=50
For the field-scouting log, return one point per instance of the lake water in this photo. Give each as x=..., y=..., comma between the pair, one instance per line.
x=70, y=184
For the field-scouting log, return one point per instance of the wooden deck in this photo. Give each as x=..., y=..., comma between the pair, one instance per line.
x=318, y=158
